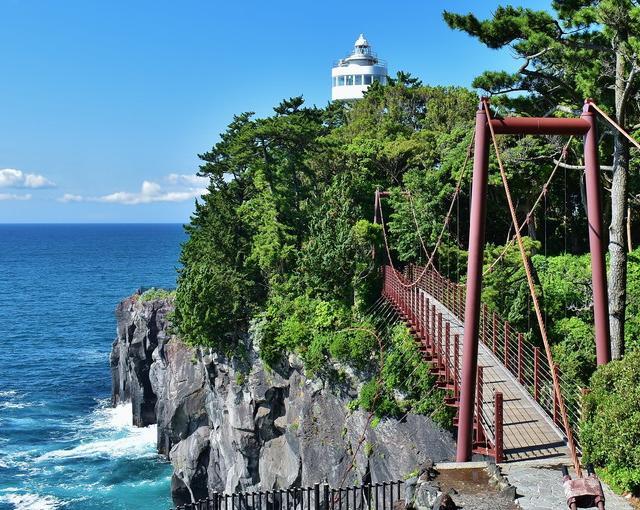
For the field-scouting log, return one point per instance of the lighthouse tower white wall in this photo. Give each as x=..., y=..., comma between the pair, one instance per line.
x=352, y=75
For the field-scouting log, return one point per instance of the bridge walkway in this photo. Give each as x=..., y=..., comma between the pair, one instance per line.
x=527, y=429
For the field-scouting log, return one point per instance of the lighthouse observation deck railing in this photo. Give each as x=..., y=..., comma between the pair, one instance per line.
x=513, y=350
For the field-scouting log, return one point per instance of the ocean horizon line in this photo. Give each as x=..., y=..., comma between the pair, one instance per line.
x=44, y=223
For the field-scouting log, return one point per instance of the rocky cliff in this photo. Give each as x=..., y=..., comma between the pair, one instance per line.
x=229, y=424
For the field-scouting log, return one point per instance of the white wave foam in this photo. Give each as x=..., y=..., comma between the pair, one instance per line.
x=112, y=435
x=32, y=501
x=8, y=393
x=133, y=445
x=112, y=418
x=17, y=405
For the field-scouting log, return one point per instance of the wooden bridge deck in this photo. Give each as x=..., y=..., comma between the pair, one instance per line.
x=529, y=433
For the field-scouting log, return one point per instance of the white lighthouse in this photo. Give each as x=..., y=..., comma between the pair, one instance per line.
x=352, y=75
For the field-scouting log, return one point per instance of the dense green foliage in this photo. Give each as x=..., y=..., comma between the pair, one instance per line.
x=611, y=430
x=283, y=244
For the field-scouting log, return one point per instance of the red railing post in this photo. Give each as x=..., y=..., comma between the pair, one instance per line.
x=479, y=401
x=520, y=374
x=499, y=427
x=439, y=338
x=556, y=404
x=447, y=352
x=434, y=330
x=456, y=365
x=494, y=332
x=536, y=367
x=421, y=315
x=483, y=331
x=506, y=344
x=412, y=296
x=427, y=322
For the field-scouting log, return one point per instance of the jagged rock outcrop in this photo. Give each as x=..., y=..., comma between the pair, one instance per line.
x=233, y=424
x=141, y=328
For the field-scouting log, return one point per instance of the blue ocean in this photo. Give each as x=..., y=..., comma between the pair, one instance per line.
x=61, y=444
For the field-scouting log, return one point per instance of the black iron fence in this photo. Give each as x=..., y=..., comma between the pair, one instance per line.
x=370, y=496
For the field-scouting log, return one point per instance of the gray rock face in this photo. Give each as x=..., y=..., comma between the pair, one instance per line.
x=142, y=328
x=230, y=424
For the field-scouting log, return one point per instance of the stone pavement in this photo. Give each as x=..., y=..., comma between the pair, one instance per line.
x=539, y=486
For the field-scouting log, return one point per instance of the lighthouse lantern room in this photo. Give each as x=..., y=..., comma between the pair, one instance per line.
x=352, y=75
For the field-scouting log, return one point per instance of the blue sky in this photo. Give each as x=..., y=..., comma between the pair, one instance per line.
x=105, y=105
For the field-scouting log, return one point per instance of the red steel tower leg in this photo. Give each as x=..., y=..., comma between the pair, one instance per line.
x=596, y=241
x=474, y=283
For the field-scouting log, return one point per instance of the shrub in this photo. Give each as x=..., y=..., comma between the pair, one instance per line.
x=610, y=432
x=315, y=329
x=153, y=294
x=405, y=383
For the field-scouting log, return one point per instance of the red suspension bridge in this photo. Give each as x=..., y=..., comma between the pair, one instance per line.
x=512, y=401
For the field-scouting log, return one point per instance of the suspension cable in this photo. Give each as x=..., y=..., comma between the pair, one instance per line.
x=614, y=123
x=534, y=298
x=447, y=219
x=543, y=193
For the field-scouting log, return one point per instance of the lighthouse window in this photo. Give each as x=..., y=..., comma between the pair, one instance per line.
x=358, y=79
x=340, y=80
x=349, y=80
x=367, y=79
x=376, y=78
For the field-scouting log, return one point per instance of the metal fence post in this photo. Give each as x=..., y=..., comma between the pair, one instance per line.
x=556, y=404
x=447, y=352
x=427, y=325
x=520, y=374
x=479, y=401
x=434, y=330
x=316, y=496
x=439, y=338
x=494, y=332
x=506, y=344
x=536, y=367
x=456, y=365
x=326, y=496
x=498, y=416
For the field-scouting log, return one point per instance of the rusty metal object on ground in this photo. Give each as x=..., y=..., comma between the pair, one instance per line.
x=583, y=492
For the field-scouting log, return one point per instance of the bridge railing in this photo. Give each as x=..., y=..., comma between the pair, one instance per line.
x=525, y=361
x=433, y=329
x=370, y=496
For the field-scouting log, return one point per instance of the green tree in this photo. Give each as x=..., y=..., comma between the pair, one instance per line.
x=586, y=48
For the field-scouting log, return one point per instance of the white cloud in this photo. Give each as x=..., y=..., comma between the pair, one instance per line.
x=69, y=197
x=12, y=178
x=12, y=196
x=188, y=180
x=181, y=188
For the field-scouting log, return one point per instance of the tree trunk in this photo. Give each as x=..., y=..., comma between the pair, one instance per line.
x=617, y=227
x=629, y=238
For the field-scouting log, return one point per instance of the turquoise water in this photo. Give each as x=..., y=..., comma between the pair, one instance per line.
x=61, y=445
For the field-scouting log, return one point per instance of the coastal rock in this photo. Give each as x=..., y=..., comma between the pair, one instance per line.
x=142, y=328
x=190, y=459
x=230, y=424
